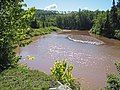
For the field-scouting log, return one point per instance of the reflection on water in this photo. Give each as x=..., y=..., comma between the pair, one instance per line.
x=91, y=62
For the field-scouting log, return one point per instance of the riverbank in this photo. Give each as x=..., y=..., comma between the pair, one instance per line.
x=76, y=36
x=22, y=78
x=33, y=35
x=91, y=62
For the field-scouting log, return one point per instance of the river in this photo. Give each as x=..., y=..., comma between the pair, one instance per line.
x=91, y=62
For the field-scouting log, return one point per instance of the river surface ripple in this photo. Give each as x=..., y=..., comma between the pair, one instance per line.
x=91, y=63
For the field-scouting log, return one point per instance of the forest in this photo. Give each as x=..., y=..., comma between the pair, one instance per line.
x=105, y=23
x=19, y=26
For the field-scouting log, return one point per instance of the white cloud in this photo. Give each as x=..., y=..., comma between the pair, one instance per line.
x=51, y=7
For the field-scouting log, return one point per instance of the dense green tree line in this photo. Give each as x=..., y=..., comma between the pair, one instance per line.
x=45, y=18
x=75, y=20
x=65, y=20
x=108, y=23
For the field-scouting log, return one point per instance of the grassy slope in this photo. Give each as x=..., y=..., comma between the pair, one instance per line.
x=21, y=78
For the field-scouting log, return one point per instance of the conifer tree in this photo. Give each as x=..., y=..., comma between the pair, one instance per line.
x=114, y=16
x=107, y=31
x=118, y=4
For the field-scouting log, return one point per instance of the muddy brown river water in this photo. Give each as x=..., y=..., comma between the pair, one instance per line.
x=91, y=62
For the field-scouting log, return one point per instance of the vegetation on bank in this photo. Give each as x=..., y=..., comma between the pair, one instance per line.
x=43, y=31
x=79, y=20
x=13, y=27
x=118, y=65
x=21, y=78
x=113, y=81
x=108, y=23
x=36, y=32
x=105, y=23
x=18, y=26
x=62, y=72
x=16, y=30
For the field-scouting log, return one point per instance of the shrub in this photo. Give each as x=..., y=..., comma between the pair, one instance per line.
x=118, y=65
x=113, y=82
x=117, y=34
x=13, y=25
x=63, y=72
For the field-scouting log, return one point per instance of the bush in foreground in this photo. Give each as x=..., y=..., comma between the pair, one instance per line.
x=63, y=72
x=113, y=81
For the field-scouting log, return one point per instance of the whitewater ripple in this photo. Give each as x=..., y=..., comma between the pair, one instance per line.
x=85, y=39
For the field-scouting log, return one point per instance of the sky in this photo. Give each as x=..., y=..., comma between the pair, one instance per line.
x=69, y=5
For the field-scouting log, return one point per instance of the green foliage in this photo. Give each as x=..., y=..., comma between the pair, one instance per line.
x=113, y=82
x=56, y=29
x=98, y=21
x=34, y=24
x=21, y=78
x=118, y=4
x=118, y=65
x=117, y=34
x=45, y=18
x=13, y=25
x=65, y=20
x=43, y=31
x=75, y=20
x=27, y=39
x=63, y=73
x=108, y=25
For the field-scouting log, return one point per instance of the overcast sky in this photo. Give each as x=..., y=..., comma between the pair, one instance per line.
x=69, y=5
